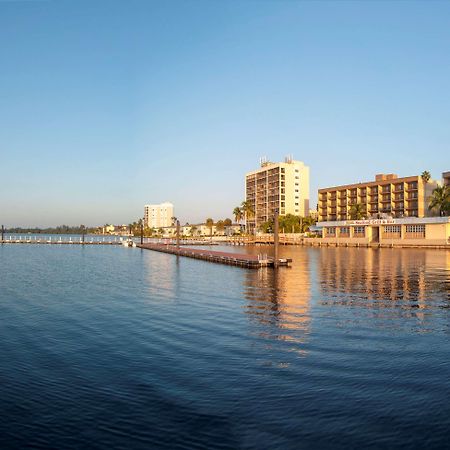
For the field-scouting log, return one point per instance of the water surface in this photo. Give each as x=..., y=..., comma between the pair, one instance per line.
x=112, y=347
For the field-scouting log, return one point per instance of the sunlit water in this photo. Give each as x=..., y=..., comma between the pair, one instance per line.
x=113, y=347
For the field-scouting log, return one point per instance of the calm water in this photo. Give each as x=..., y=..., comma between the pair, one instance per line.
x=111, y=347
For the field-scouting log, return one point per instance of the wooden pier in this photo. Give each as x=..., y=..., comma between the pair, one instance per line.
x=232, y=259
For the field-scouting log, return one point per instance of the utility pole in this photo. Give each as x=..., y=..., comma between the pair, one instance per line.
x=276, y=238
x=178, y=234
x=142, y=231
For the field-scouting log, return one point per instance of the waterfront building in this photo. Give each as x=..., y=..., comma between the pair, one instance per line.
x=283, y=186
x=388, y=195
x=402, y=232
x=158, y=216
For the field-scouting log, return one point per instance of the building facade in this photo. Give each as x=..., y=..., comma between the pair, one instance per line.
x=283, y=186
x=403, y=232
x=388, y=195
x=158, y=216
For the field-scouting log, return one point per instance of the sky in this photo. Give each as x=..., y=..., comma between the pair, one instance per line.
x=109, y=105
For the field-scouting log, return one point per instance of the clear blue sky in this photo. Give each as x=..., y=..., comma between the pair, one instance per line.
x=108, y=105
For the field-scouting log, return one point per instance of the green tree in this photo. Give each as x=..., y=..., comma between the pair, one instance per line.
x=237, y=213
x=247, y=211
x=357, y=212
x=426, y=176
x=307, y=222
x=227, y=222
x=220, y=225
x=267, y=227
x=193, y=230
x=209, y=223
x=440, y=200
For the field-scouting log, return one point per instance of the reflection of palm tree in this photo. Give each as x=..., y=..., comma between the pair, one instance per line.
x=441, y=200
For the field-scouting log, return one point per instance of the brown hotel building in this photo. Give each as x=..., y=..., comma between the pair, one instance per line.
x=388, y=195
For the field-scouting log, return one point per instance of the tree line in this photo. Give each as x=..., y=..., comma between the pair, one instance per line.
x=60, y=229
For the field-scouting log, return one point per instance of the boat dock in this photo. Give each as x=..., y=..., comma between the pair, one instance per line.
x=232, y=259
x=60, y=241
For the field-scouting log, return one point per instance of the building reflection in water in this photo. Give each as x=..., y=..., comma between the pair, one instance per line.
x=161, y=273
x=279, y=299
x=404, y=279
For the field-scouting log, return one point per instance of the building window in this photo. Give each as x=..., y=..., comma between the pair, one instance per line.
x=392, y=228
x=330, y=231
x=415, y=231
x=282, y=204
x=296, y=204
x=344, y=231
x=392, y=231
x=296, y=190
x=359, y=231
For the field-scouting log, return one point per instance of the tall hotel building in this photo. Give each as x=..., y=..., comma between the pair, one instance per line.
x=388, y=195
x=158, y=216
x=283, y=186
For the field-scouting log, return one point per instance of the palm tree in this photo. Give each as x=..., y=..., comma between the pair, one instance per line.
x=426, y=176
x=306, y=223
x=441, y=199
x=209, y=223
x=357, y=212
x=237, y=213
x=247, y=211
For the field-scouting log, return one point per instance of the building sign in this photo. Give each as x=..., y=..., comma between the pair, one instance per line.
x=371, y=222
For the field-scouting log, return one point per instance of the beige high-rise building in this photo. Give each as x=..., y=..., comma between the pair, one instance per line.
x=158, y=216
x=388, y=195
x=283, y=186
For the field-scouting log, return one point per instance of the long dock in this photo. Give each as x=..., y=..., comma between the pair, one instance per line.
x=232, y=259
x=47, y=241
